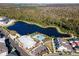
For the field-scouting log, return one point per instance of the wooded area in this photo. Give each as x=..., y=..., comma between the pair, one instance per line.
x=66, y=18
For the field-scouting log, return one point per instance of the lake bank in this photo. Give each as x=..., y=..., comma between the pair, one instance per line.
x=58, y=29
x=44, y=26
x=23, y=28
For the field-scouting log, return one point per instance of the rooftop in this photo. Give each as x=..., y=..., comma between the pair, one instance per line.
x=1, y=18
x=40, y=50
x=63, y=44
x=2, y=37
x=32, y=43
x=27, y=41
x=3, y=48
x=74, y=43
x=4, y=21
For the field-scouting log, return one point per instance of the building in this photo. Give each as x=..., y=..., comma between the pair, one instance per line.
x=5, y=21
x=63, y=45
x=3, y=49
x=27, y=41
x=40, y=50
x=2, y=38
x=13, y=34
x=32, y=44
x=75, y=44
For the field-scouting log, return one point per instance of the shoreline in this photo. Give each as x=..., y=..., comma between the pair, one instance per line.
x=14, y=21
x=57, y=28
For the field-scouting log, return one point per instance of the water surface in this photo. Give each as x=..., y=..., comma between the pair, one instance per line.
x=24, y=28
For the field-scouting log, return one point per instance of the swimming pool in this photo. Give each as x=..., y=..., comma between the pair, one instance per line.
x=39, y=37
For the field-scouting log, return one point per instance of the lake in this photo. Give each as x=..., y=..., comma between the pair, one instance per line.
x=24, y=28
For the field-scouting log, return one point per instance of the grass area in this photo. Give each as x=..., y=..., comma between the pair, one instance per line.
x=49, y=45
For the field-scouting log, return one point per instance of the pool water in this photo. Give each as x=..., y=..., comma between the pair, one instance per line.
x=39, y=37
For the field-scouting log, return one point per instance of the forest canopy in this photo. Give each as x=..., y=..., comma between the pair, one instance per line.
x=66, y=17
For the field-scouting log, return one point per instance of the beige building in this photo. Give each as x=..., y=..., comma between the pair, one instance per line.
x=32, y=44
x=3, y=49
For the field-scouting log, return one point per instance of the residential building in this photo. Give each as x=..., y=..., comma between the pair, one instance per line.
x=75, y=44
x=3, y=49
x=63, y=45
x=4, y=21
x=32, y=44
